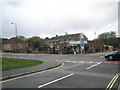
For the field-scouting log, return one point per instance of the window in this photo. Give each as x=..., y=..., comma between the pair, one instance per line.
x=61, y=41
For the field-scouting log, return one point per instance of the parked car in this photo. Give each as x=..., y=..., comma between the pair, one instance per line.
x=113, y=56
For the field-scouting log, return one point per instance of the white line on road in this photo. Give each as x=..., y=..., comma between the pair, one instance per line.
x=55, y=80
x=90, y=62
x=93, y=65
x=102, y=56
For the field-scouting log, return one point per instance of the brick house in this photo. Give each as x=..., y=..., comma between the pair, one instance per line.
x=14, y=45
x=95, y=46
x=100, y=46
x=66, y=43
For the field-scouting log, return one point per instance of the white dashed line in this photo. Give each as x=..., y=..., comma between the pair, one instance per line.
x=102, y=56
x=82, y=62
x=93, y=65
x=79, y=62
x=55, y=80
x=90, y=62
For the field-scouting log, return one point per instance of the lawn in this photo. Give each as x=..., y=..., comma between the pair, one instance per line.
x=9, y=64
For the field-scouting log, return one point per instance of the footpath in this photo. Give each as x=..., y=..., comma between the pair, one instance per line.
x=48, y=64
x=100, y=53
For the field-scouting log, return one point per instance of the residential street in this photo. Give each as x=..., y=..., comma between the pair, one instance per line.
x=60, y=44
x=76, y=71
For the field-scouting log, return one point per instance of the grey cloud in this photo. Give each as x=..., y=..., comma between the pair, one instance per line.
x=110, y=16
x=29, y=26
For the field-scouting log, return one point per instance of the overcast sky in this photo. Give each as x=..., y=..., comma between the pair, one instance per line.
x=46, y=18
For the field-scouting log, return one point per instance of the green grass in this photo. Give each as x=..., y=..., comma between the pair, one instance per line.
x=9, y=64
x=0, y=64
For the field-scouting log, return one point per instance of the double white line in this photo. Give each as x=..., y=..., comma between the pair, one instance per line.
x=110, y=85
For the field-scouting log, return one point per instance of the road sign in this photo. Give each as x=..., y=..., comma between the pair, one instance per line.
x=83, y=41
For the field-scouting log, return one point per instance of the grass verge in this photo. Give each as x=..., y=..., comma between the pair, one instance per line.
x=9, y=64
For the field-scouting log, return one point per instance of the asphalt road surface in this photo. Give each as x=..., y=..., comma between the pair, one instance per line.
x=76, y=71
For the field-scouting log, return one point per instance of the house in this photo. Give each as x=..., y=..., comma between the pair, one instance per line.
x=13, y=45
x=66, y=43
x=6, y=45
x=94, y=46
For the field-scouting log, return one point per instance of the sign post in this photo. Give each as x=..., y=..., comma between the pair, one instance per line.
x=81, y=42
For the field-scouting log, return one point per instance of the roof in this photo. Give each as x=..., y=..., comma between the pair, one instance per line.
x=12, y=40
x=16, y=40
x=66, y=37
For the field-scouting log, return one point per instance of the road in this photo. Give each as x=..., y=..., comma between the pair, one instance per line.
x=76, y=71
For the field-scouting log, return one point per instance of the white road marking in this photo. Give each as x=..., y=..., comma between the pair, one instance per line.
x=93, y=65
x=67, y=61
x=55, y=80
x=102, y=56
x=74, y=61
x=90, y=62
x=82, y=62
x=79, y=62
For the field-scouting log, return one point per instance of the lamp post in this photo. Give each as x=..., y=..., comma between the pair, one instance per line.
x=15, y=28
x=15, y=35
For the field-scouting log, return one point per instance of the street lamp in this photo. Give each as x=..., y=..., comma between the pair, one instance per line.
x=15, y=35
x=15, y=28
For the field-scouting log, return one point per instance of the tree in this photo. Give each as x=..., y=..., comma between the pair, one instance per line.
x=36, y=43
x=109, y=38
x=21, y=37
x=107, y=35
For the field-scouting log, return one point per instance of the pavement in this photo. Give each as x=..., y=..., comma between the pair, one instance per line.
x=100, y=53
x=25, y=71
